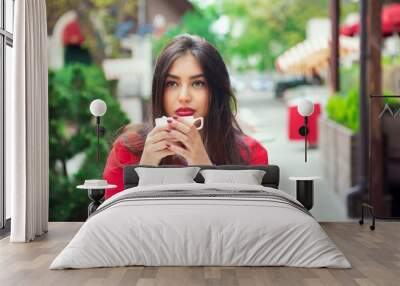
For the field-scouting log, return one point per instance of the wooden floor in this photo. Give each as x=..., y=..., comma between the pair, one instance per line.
x=374, y=255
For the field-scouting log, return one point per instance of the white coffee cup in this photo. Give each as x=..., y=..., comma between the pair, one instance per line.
x=191, y=120
x=163, y=121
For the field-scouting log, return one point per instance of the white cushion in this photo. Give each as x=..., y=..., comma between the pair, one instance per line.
x=248, y=177
x=162, y=176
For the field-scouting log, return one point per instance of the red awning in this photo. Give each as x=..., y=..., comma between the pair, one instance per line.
x=72, y=34
x=390, y=21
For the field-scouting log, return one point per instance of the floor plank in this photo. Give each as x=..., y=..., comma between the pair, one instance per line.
x=374, y=255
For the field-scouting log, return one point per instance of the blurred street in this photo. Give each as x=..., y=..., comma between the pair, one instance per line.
x=266, y=119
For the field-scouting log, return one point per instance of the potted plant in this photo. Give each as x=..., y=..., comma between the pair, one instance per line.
x=338, y=135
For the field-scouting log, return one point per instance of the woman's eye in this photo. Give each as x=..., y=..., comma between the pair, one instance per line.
x=171, y=84
x=199, y=84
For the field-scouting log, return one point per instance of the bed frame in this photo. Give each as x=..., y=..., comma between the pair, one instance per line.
x=270, y=179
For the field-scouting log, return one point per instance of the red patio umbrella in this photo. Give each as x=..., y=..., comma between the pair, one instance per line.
x=349, y=30
x=390, y=20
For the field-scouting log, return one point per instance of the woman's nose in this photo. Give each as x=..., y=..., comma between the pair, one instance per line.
x=184, y=94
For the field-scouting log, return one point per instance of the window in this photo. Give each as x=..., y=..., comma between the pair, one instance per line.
x=6, y=45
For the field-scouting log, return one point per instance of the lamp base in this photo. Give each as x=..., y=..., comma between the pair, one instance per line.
x=305, y=193
x=97, y=197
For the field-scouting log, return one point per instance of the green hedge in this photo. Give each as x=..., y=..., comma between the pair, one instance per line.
x=344, y=106
x=344, y=109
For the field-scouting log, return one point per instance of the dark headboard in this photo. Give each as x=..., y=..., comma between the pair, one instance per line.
x=270, y=179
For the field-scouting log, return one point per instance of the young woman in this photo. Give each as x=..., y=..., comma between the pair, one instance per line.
x=190, y=79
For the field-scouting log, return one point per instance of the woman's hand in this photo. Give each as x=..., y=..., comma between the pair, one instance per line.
x=192, y=147
x=156, y=146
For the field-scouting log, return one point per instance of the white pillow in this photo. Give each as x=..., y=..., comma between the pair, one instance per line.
x=248, y=177
x=163, y=176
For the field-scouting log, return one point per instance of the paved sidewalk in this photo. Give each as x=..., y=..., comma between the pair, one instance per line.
x=265, y=118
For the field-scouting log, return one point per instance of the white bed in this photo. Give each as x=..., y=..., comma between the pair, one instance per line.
x=222, y=225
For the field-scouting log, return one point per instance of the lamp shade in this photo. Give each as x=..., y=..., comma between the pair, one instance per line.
x=98, y=107
x=305, y=107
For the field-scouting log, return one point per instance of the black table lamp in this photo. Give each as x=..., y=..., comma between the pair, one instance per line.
x=305, y=109
x=98, y=108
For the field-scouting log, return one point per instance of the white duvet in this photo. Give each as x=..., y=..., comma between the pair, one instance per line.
x=190, y=230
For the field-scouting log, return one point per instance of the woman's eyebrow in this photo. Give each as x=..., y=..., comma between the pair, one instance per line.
x=173, y=76
x=192, y=77
x=197, y=75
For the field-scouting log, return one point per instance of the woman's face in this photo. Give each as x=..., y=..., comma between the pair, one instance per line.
x=186, y=91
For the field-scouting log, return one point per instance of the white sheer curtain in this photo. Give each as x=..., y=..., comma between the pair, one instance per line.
x=27, y=124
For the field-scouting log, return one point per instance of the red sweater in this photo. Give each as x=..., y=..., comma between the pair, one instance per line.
x=120, y=156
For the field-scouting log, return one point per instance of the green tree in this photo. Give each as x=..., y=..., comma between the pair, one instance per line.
x=72, y=132
x=268, y=28
x=197, y=22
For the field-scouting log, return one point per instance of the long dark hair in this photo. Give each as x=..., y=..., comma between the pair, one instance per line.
x=223, y=138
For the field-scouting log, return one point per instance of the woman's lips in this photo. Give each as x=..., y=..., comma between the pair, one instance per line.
x=185, y=112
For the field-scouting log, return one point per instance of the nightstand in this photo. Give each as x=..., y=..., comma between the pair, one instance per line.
x=305, y=190
x=95, y=189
